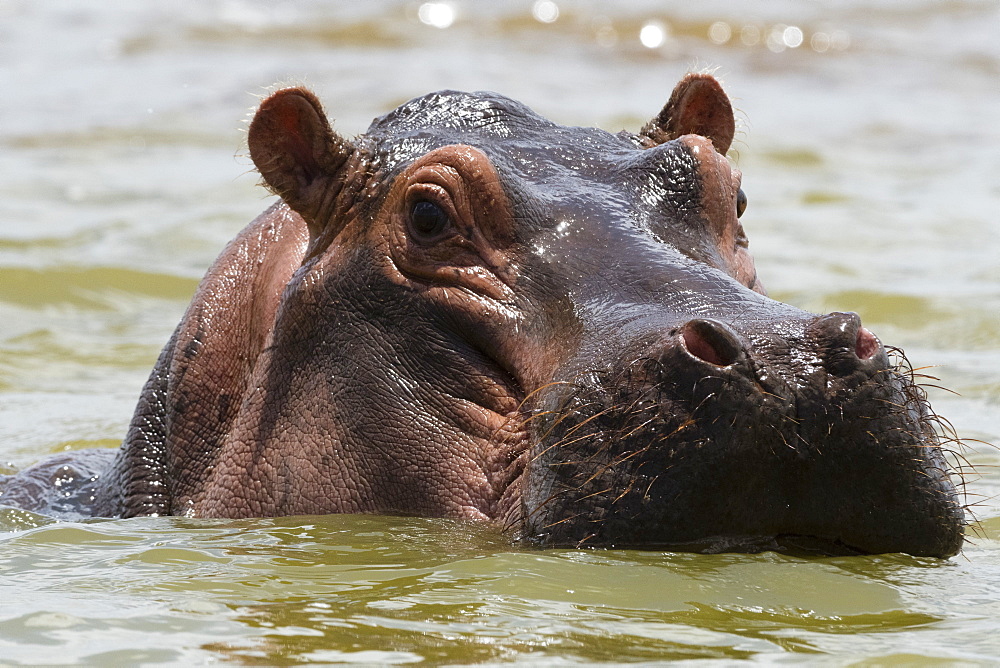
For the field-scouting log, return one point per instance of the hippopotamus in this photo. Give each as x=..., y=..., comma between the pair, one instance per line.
x=470, y=311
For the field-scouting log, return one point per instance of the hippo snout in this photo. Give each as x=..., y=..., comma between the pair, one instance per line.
x=720, y=438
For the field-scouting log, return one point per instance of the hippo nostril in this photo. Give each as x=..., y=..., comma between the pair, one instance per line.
x=842, y=341
x=866, y=344
x=711, y=341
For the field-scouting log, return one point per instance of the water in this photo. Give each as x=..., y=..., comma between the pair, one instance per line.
x=870, y=159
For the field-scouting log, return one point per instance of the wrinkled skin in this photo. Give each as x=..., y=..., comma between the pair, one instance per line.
x=472, y=312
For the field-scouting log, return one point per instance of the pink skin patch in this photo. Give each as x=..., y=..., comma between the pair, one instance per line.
x=701, y=349
x=866, y=344
x=710, y=344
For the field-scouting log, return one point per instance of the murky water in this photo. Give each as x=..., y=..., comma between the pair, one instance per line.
x=869, y=145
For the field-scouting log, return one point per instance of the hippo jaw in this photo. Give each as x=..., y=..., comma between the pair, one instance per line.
x=712, y=440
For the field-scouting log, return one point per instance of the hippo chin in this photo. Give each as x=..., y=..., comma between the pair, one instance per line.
x=472, y=312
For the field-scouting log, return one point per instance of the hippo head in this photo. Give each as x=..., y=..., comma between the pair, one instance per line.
x=558, y=329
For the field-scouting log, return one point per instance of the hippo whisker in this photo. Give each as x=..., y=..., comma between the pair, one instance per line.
x=638, y=428
x=561, y=521
x=603, y=491
x=609, y=466
x=936, y=387
x=565, y=441
x=784, y=440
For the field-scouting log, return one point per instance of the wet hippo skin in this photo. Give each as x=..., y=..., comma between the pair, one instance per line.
x=472, y=312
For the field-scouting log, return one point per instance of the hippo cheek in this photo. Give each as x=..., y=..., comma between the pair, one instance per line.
x=703, y=444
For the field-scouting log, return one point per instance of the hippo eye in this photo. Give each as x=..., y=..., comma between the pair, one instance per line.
x=741, y=202
x=428, y=221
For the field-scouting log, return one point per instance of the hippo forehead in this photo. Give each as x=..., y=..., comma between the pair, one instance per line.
x=505, y=129
x=578, y=167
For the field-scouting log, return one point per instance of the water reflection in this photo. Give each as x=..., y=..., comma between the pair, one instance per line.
x=653, y=34
x=720, y=32
x=778, y=37
x=545, y=11
x=655, y=31
x=437, y=14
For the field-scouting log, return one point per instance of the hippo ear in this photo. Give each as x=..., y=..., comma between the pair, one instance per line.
x=697, y=106
x=297, y=153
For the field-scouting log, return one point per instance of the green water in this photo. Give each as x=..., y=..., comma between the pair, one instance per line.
x=374, y=589
x=871, y=170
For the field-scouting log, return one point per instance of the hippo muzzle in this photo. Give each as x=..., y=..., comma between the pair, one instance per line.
x=807, y=437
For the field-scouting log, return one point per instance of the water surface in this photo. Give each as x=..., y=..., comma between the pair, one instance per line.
x=868, y=141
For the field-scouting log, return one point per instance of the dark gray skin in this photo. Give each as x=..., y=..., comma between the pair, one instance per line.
x=472, y=312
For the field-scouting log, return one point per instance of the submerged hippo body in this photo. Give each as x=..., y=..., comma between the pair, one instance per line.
x=472, y=312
